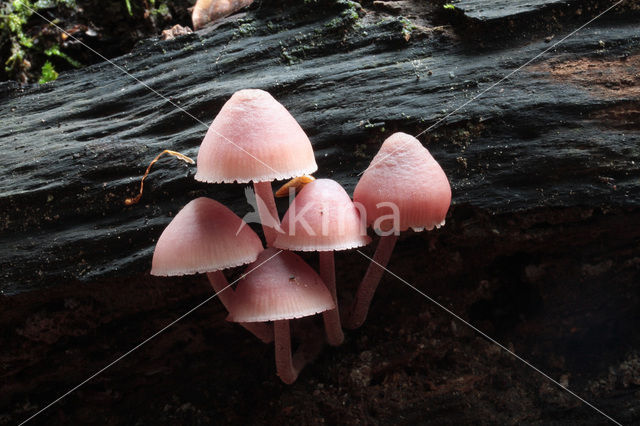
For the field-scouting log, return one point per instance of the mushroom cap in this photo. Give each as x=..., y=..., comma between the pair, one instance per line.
x=254, y=138
x=283, y=287
x=322, y=218
x=404, y=173
x=206, y=11
x=202, y=238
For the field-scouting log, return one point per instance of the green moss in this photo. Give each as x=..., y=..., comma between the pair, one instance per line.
x=335, y=22
x=407, y=27
x=246, y=29
x=162, y=9
x=287, y=56
x=48, y=73
x=300, y=46
x=349, y=15
x=274, y=28
x=405, y=24
x=55, y=51
x=13, y=16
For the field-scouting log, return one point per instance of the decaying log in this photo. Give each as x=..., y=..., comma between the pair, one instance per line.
x=501, y=9
x=74, y=149
x=544, y=167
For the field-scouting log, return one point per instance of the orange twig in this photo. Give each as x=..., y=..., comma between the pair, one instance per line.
x=297, y=183
x=134, y=200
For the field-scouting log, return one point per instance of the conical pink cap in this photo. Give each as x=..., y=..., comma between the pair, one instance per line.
x=206, y=11
x=322, y=218
x=404, y=174
x=202, y=238
x=281, y=286
x=254, y=138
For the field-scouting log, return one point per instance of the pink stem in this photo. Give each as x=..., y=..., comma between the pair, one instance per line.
x=267, y=211
x=261, y=330
x=219, y=283
x=369, y=284
x=331, y=318
x=284, y=362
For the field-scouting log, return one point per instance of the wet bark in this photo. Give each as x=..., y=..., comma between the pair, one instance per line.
x=540, y=247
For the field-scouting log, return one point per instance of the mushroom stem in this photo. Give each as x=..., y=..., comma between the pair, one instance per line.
x=219, y=283
x=284, y=361
x=267, y=211
x=358, y=313
x=331, y=318
x=261, y=330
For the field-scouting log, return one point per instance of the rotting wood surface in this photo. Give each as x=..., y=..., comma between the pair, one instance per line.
x=540, y=247
x=74, y=149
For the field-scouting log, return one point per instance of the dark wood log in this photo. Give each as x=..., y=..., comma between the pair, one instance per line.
x=76, y=148
x=540, y=249
x=502, y=9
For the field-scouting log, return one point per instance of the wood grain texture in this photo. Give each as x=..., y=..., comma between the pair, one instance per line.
x=501, y=9
x=539, y=250
x=75, y=148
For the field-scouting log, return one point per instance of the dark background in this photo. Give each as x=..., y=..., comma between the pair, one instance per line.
x=540, y=249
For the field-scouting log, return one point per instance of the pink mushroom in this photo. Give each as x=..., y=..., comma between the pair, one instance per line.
x=202, y=238
x=206, y=11
x=323, y=218
x=403, y=187
x=282, y=288
x=254, y=138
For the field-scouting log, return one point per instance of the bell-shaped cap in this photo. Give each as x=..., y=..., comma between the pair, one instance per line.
x=206, y=11
x=254, y=138
x=279, y=286
x=205, y=236
x=409, y=183
x=322, y=218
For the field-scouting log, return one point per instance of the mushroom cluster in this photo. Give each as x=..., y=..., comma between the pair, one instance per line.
x=255, y=139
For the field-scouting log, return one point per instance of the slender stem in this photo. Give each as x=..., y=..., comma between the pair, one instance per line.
x=261, y=330
x=358, y=313
x=219, y=282
x=284, y=361
x=331, y=318
x=267, y=211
